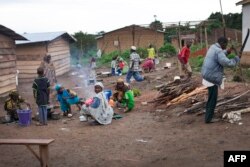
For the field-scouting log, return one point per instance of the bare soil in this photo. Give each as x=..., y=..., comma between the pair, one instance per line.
x=143, y=137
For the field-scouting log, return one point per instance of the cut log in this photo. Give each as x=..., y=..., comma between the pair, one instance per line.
x=185, y=96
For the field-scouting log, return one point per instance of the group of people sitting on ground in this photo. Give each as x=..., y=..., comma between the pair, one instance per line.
x=99, y=108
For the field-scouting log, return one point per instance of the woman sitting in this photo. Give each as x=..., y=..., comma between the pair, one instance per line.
x=124, y=96
x=99, y=109
x=66, y=98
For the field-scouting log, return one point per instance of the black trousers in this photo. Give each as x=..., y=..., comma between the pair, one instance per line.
x=211, y=103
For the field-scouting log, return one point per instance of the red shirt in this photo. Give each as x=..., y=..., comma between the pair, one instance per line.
x=121, y=65
x=184, y=54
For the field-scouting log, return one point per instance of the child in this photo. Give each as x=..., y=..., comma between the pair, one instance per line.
x=121, y=65
x=12, y=104
x=41, y=94
x=99, y=109
x=66, y=98
x=113, y=65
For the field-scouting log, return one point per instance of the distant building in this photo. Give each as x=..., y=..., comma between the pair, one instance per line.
x=245, y=60
x=31, y=53
x=8, y=59
x=123, y=38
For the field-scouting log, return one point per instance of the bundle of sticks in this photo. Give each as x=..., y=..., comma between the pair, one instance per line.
x=224, y=104
x=172, y=90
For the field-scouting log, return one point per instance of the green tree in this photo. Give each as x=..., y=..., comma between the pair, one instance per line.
x=85, y=42
x=156, y=25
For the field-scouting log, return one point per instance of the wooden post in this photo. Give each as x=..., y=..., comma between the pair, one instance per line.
x=201, y=35
x=44, y=155
x=206, y=36
x=236, y=36
x=179, y=35
x=133, y=34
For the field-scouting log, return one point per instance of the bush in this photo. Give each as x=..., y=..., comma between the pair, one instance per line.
x=107, y=58
x=196, y=47
x=142, y=52
x=196, y=62
x=169, y=49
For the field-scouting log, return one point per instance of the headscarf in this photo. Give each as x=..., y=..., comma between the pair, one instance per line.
x=57, y=87
x=99, y=84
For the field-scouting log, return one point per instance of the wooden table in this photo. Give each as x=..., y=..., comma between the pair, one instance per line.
x=42, y=143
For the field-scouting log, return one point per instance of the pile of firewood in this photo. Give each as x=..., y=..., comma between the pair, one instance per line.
x=172, y=90
x=224, y=104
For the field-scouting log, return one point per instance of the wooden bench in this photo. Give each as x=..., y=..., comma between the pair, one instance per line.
x=42, y=143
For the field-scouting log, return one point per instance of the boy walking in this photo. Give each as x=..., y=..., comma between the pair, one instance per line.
x=41, y=94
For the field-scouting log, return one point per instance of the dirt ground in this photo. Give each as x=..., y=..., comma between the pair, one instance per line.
x=143, y=137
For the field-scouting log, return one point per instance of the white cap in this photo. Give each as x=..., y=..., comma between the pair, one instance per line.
x=133, y=47
x=99, y=84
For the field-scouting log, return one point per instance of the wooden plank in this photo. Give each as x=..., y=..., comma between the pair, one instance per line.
x=58, y=41
x=7, y=64
x=7, y=51
x=7, y=71
x=55, y=58
x=61, y=61
x=4, y=58
x=30, y=71
x=27, y=76
x=26, y=141
x=62, y=71
x=57, y=53
x=7, y=82
x=30, y=63
x=24, y=80
x=27, y=67
x=7, y=44
x=6, y=77
x=33, y=57
x=62, y=65
x=7, y=88
x=57, y=48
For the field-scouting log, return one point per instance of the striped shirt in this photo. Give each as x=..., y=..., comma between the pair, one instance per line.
x=134, y=62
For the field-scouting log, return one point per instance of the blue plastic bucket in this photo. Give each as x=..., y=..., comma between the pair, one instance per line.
x=108, y=93
x=24, y=117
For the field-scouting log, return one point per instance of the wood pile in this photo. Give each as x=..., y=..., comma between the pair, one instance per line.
x=194, y=97
x=175, y=89
x=224, y=104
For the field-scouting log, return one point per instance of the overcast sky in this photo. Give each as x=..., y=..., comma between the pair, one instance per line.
x=93, y=16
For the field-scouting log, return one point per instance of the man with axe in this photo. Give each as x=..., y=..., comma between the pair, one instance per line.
x=213, y=71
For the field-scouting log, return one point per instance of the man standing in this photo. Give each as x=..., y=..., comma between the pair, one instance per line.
x=212, y=73
x=49, y=70
x=183, y=63
x=134, y=67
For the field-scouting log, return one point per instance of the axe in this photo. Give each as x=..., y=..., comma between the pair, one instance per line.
x=240, y=53
x=244, y=43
